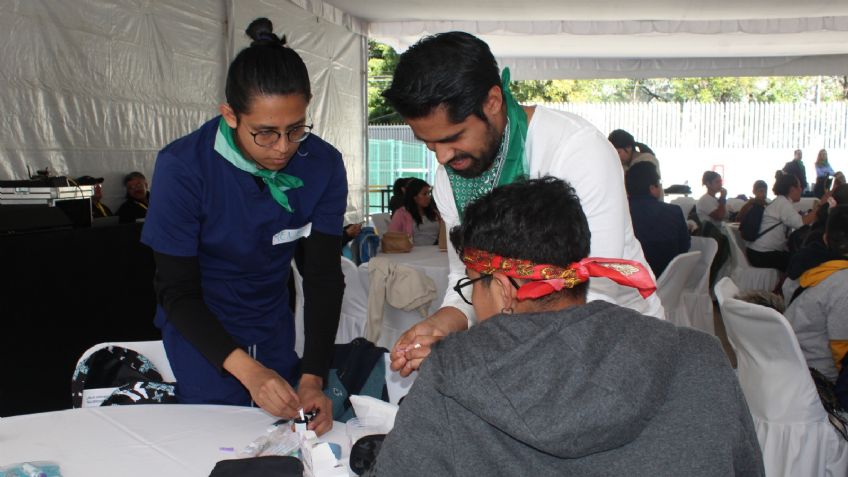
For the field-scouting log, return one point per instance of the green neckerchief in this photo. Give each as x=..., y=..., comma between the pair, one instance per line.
x=278, y=183
x=509, y=162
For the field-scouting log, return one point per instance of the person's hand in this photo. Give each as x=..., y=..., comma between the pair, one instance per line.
x=414, y=346
x=312, y=397
x=723, y=193
x=353, y=230
x=272, y=393
x=267, y=388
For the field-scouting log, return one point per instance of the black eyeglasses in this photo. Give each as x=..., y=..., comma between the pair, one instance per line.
x=465, y=281
x=269, y=137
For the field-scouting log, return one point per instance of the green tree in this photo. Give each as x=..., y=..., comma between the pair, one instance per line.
x=382, y=60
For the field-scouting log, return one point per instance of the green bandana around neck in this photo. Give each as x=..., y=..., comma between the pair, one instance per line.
x=509, y=162
x=278, y=182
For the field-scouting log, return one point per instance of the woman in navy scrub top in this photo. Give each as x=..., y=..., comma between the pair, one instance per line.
x=231, y=201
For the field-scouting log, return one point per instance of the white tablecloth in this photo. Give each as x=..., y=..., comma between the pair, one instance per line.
x=427, y=259
x=140, y=440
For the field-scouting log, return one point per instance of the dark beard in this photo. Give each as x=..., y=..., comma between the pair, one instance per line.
x=481, y=164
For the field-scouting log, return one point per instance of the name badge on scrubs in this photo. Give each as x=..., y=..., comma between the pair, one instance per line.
x=290, y=235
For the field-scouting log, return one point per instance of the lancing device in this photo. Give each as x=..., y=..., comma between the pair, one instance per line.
x=301, y=422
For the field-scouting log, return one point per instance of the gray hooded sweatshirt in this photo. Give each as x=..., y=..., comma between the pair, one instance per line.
x=591, y=390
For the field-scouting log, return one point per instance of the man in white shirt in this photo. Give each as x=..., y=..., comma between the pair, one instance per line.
x=446, y=87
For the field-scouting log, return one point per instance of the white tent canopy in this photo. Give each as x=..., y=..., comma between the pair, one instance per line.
x=547, y=39
x=97, y=87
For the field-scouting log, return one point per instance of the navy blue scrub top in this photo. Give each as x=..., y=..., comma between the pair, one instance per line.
x=201, y=205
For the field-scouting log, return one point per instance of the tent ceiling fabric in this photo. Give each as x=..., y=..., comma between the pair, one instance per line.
x=543, y=39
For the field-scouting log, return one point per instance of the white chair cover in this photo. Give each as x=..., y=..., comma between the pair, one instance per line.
x=788, y=288
x=734, y=205
x=805, y=204
x=381, y=222
x=792, y=426
x=743, y=274
x=298, y=310
x=686, y=204
x=671, y=283
x=354, y=305
x=396, y=386
x=696, y=294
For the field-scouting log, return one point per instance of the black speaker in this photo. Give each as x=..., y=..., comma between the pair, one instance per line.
x=21, y=219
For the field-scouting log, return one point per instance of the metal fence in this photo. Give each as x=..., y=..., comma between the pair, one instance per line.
x=759, y=133
x=723, y=125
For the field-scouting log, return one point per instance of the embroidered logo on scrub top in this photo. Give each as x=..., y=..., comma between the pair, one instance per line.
x=290, y=235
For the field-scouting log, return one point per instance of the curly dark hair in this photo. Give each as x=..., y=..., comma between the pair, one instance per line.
x=519, y=221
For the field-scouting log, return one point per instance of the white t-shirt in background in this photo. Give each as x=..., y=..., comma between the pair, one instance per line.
x=568, y=147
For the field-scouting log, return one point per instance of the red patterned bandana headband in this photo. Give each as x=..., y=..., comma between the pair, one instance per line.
x=546, y=279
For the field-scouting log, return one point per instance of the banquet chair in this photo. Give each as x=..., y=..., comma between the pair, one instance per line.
x=154, y=351
x=670, y=286
x=696, y=294
x=792, y=426
x=298, y=310
x=805, y=204
x=354, y=314
x=745, y=276
x=686, y=204
x=381, y=222
x=788, y=289
x=734, y=205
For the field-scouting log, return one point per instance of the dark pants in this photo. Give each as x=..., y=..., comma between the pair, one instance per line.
x=777, y=259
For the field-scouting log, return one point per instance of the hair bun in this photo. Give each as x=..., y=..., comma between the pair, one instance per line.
x=261, y=31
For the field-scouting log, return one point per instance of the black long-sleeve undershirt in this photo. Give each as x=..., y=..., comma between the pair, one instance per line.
x=180, y=294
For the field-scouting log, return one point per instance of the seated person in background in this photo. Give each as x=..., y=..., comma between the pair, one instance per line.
x=709, y=208
x=811, y=235
x=135, y=207
x=814, y=251
x=824, y=172
x=398, y=191
x=547, y=384
x=760, y=190
x=660, y=227
x=98, y=208
x=631, y=152
x=770, y=250
x=418, y=217
x=819, y=314
x=796, y=168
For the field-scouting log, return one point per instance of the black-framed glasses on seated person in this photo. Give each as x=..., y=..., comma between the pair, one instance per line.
x=465, y=282
x=269, y=137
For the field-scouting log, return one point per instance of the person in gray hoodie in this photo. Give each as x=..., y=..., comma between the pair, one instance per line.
x=548, y=384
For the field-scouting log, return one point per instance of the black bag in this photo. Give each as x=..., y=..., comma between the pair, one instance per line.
x=749, y=228
x=273, y=465
x=836, y=414
x=133, y=378
x=363, y=454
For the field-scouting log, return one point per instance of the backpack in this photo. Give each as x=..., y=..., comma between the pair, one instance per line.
x=749, y=228
x=358, y=367
x=117, y=375
x=365, y=245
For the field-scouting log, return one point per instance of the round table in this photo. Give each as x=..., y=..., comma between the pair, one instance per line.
x=139, y=440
